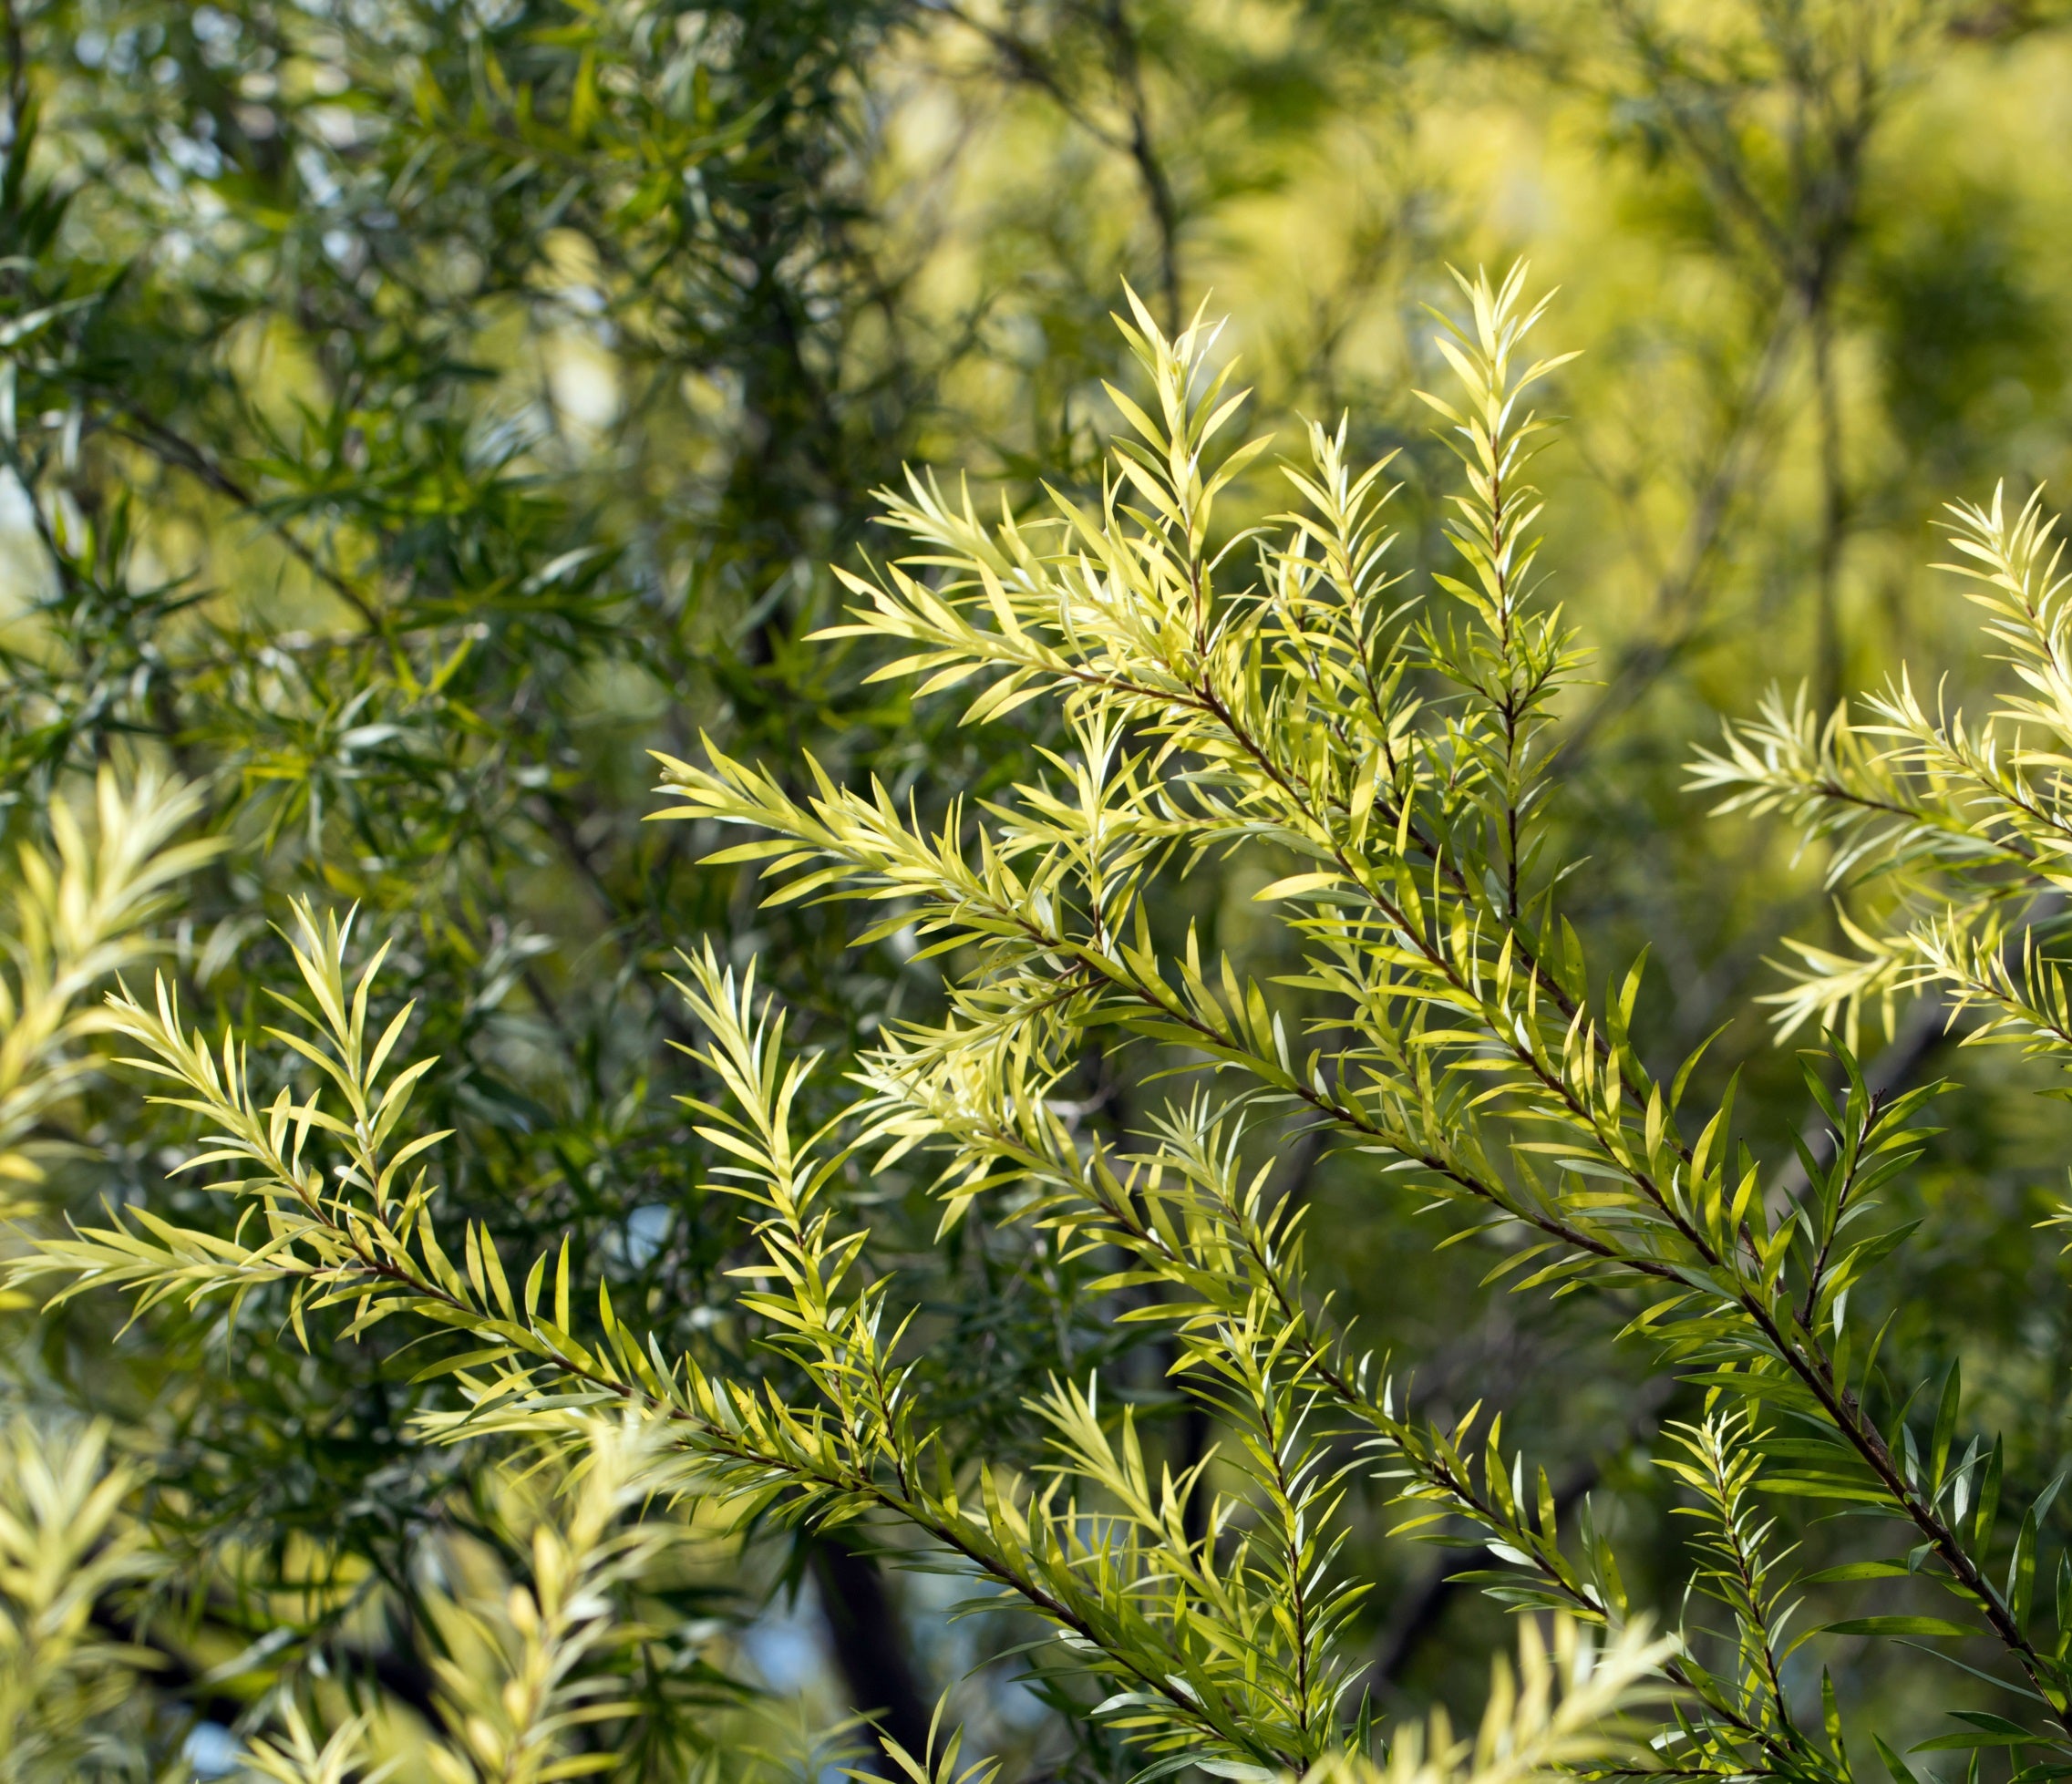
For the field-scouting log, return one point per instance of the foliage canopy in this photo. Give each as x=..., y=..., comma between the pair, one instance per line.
x=495, y=1271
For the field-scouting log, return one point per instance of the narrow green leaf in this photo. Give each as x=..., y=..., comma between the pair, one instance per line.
x=2022, y=1571
x=1945, y=1426
x=1898, y=1625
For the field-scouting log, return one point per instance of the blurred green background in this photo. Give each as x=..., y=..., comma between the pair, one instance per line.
x=414, y=410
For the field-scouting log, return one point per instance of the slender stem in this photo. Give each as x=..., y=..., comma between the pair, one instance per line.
x=1151, y=167
x=17, y=70
x=162, y=442
x=1834, y=510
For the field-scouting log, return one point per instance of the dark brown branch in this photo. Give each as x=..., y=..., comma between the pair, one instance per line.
x=1022, y=61
x=1151, y=167
x=1834, y=517
x=17, y=70
x=170, y=448
x=870, y=1644
x=398, y=1672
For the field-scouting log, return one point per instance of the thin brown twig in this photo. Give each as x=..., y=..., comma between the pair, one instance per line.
x=163, y=443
